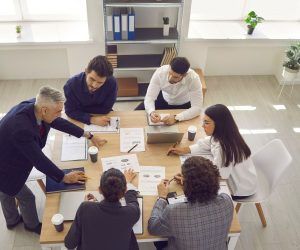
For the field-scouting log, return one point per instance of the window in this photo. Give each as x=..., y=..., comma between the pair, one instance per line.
x=229, y=10
x=224, y=19
x=46, y=10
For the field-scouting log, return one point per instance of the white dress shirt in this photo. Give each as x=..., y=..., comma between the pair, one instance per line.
x=189, y=89
x=242, y=177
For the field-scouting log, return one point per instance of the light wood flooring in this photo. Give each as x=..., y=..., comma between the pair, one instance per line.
x=282, y=210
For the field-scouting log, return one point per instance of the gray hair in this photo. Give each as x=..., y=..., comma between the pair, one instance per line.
x=49, y=95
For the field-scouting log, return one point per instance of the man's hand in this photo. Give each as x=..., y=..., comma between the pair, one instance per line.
x=129, y=175
x=169, y=120
x=163, y=188
x=155, y=117
x=75, y=177
x=100, y=120
x=98, y=142
x=179, y=151
x=90, y=197
x=179, y=178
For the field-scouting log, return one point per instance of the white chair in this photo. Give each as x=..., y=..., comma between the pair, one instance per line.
x=270, y=162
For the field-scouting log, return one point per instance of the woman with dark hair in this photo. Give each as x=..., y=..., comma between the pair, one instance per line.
x=107, y=224
x=203, y=222
x=226, y=148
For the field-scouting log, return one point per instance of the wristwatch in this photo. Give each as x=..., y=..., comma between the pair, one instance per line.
x=90, y=136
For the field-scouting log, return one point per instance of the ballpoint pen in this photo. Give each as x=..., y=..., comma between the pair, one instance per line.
x=174, y=145
x=171, y=180
x=117, y=124
x=132, y=148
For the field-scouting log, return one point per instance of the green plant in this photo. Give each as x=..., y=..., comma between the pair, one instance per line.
x=293, y=57
x=166, y=20
x=18, y=28
x=253, y=19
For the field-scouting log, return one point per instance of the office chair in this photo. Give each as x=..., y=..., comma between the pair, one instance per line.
x=270, y=162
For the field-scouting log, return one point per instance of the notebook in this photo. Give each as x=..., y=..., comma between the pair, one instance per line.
x=70, y=202
x=54, y=187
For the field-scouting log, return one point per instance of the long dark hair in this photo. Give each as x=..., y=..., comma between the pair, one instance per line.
x=234, y=148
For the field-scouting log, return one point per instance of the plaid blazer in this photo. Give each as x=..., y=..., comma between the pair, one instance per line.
x=201, y=226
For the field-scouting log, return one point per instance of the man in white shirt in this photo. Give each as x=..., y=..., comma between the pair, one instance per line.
x=174, y=86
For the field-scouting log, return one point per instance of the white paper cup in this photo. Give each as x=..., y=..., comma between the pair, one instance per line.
x=58, y=222
x=93, y=152
x=192, y=132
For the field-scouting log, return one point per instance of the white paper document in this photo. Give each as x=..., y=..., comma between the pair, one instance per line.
x=132, y=140
x=112, y=127
x=121, y=162
x=73, y=148
x=162, y=116
x=149, y=178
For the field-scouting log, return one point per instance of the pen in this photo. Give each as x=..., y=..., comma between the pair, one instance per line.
x=132, y=148
x=117, y=122
x=171, y=180
x=173, y=146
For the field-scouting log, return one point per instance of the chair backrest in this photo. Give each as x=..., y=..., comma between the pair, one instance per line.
x=272, y=160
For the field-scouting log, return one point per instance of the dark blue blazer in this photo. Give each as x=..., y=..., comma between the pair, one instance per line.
x=80, y=103
x=21, y=147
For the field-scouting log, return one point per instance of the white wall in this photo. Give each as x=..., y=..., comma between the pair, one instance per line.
x=215, y=57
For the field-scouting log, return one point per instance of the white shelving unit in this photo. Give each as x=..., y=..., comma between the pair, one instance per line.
x=148, y=32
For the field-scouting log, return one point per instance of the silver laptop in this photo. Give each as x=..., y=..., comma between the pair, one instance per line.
x=172, y=137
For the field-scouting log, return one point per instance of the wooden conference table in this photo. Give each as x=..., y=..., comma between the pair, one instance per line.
x=155, y=155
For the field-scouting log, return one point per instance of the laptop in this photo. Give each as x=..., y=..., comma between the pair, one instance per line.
x=158, y=134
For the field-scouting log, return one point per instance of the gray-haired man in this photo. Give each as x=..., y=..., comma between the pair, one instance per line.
x=23, y=134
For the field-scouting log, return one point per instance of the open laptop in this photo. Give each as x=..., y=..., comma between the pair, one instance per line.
x=163, y=134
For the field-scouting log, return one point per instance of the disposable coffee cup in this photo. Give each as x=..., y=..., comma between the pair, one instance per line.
x=192, y=132
x=93, y=152
x=58, y=222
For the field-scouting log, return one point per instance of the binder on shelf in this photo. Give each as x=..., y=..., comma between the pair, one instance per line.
x=124, y=24
x=117, y=25
x=131, y=24
x=109, y=27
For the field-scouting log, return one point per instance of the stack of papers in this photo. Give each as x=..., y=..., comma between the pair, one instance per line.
x=113, y=127
x=121, y=162
x=73, y=148
x=132, y=140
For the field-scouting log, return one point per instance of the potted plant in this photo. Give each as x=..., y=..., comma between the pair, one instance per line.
x=166, y=27
x=291, y=65
x=18, y=30
x=252, y=20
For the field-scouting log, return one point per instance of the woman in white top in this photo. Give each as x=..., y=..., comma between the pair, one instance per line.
x=226, y=148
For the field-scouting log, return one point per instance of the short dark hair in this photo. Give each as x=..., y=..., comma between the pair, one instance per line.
x=200, y=179
x=234, y=148
x=180, y=65
x=113, y=184
x=101, y=66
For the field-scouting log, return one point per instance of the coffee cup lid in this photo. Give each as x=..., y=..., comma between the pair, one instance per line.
x=93, y=150
x=57, y=219
x=192, y=129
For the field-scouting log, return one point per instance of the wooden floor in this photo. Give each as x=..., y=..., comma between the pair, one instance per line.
x=282, y=210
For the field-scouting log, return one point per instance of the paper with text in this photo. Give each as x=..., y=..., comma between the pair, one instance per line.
x=149, y=178
x=73, y=148
x=113, y=127
x=129, y=137
x=121, y=162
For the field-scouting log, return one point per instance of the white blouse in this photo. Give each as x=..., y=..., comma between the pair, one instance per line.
x=241, y=178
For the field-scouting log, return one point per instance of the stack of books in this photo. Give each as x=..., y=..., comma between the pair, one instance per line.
x=112, y=55
x=168, y=55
